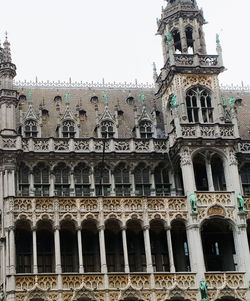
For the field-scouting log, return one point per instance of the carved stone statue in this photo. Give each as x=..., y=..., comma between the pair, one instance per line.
x=241, y=204
x=193, y=201
x=203, y=290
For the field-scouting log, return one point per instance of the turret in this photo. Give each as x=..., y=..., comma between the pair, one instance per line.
x=8, y=96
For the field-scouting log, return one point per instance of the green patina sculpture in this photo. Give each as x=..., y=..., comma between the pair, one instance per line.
x=30, y=95
x=105, y=98
x=232, y=101
x=241, y=204
x=142, y=96
x=169, y=38
x=203, y=290
x=217, y=38
x=67, y=98
x=224, y=100
x=173, y=102
x=193, y=202
x=1, y=296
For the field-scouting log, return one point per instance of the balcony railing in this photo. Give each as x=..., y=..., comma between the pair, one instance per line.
x=84, y=145
x=207, y=130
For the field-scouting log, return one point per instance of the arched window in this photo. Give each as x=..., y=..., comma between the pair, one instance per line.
x=30, y=128
x=218, y=245
x=180, y=246
x=146, y=129
x=69, y=249
x=23, y=179
x=41, y=180
x=245, y=179
x=142, y=179
x=45, y=247
x=61, y=180
x=107, y=129
x=199, y=105
x=113, y=246
x=68, y=129
x=200, y=173
x=102, y=180
x=218, y=173
x=189, y=37
x=177, y=40
x=81, y=175
x=122, y=183
x=23, y=250
x=162, y=184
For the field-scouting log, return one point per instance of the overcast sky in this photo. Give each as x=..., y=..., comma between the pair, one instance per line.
x=88, y=40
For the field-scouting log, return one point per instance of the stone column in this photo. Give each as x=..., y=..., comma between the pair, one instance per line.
x=12, y=251
x=112, y=183
x=72, y=183
x=79, y=240
x=5, y=183
x=35, y=267
x=31, y=180
x=102, y=250
x=52, y=184
x=153, y=191
x=209, y=175
x=183, y=37
x=187, y=172
x=92, y=182
x=195, y=250
x=58, y=267
x=132, y=181
x=147, y=249
x=7, y=251
x=170, y=250
x=125, y=250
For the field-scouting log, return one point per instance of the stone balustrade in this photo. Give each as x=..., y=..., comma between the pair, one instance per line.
x=84, y=145
x=207, y=130
x=184, y=60
x=244, y=146
x=120, y=285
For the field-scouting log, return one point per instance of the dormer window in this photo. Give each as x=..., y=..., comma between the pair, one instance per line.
x=68, y=129
x=30, y=129
x=146, y=131
x=199, y=105
x=107, y=129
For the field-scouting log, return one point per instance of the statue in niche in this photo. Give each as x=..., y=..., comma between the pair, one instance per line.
x=193, y=202
x=204, y=290
x=241, y=204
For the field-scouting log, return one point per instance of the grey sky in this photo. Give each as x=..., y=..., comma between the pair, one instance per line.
x=113, y=39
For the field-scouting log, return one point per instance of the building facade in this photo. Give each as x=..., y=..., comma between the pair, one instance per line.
x=127, y=192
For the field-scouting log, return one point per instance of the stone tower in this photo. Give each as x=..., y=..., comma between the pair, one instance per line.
x=8, y=97
x=187, y=66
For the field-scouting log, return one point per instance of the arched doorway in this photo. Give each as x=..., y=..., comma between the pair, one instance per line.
x=218, y=245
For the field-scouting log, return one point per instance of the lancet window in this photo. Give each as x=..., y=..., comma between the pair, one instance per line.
x=23, y=179
x=107, y=129
x=142, y=179
x=61, y=180
x=199, y=105
x=146, y=130
x=162, y=184
x=190, y=41
x=122, y=180
x=30, y=128
x=177, y=40
x=81, y=176
x=68, y=129
x=41, y=180
x=245, y=179
x=102, y=180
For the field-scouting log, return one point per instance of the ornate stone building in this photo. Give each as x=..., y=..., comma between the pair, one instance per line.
x=114, y=192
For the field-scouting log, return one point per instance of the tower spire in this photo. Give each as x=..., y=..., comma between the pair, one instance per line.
x=6, y=50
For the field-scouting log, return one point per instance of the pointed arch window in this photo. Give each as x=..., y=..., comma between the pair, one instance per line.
x=245, y=179
x=107, y=129
x=41, y=180
x=102, y=180
x=82, y=184
x=23, y=177
x=142, y=180
x=146, y=130
x=189, y=37
x=68, y=129
x=177, y=40
x=162, y=184
x=61, y=180
x=122, y=183
x=30, y=128
x=199, y=105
